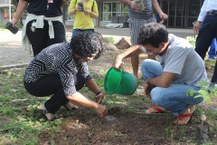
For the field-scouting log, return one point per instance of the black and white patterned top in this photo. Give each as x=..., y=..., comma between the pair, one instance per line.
x=57, y=59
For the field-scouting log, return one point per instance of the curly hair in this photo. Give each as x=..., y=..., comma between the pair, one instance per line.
x=87, y=43
x=153, y=34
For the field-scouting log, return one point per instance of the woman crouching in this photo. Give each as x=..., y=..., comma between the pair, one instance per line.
x=61, y=70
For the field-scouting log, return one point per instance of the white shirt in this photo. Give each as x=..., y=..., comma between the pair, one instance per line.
x=208, y=5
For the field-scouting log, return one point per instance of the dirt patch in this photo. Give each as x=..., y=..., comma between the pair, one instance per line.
x=126, y=129
x=123, y=126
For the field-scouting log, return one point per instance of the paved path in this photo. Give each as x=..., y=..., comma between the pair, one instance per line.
x=12, y=53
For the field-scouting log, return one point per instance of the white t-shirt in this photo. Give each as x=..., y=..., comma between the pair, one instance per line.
x=184, y=61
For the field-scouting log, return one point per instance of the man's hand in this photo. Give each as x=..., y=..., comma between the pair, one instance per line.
x=163, y=16
x=14, y=21
x=117, y=63
x=134, y=5
x=196, y=27
x=147, y=90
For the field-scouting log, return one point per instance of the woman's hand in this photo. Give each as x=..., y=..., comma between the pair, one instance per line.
x=87, y=12
x=73, y=11
x=101, y=110
x=100, y=97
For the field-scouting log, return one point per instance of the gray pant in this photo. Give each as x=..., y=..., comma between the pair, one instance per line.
x=135, y=25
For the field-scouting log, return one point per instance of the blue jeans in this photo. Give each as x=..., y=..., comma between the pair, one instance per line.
x=213, y=49
x=173, y=98
x=77, y=31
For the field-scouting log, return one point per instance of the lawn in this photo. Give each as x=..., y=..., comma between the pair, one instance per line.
x=21, y=123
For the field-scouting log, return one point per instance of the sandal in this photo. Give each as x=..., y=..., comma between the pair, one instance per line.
x=183, y=116
x=155, y=109
x=186, y=116
x=49, y=116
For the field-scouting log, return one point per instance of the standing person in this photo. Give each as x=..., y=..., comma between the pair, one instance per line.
x=137, y=18
x=213, y=49
x=43, y=25
x=180, y=69
x=206, y=28
x=61, y=70
x=84, y=11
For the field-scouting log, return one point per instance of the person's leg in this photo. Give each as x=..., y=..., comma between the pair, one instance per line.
x=214, y=77
x=52, y=85
x=37, y=37
x=215, y=44
x=47, y=86
x=205, y=36
x=175, y=98
x=135, y=25
x=59, y=99
x=151, y=68
x=59, y=34
x=212, y=50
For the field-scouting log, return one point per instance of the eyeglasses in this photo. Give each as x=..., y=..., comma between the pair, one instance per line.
x=87, y=58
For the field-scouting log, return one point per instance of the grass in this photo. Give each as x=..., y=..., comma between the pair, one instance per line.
x=17, y=117
x=22, y=124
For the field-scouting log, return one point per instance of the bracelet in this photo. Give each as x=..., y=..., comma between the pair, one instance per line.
x=98, y=93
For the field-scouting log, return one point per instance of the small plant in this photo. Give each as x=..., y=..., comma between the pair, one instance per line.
x=207, y=93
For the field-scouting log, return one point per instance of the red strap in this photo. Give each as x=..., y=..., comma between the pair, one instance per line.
x=180, y=117
x=157, y=108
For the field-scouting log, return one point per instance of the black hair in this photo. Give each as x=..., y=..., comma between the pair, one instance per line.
x=153, y=34
x=85, y=44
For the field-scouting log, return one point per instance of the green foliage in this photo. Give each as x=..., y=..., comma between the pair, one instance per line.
x=206, y=92
x=109, y=39
x=191, y=40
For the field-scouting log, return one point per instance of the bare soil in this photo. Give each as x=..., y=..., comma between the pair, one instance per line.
x=123, y=125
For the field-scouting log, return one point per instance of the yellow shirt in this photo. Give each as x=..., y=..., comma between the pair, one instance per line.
x=81, y=20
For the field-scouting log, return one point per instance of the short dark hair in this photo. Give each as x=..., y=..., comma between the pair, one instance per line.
x=153, y=34
x=86, y=43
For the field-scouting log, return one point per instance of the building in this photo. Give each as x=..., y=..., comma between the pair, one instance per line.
x=181, y=12
x=5, y=10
